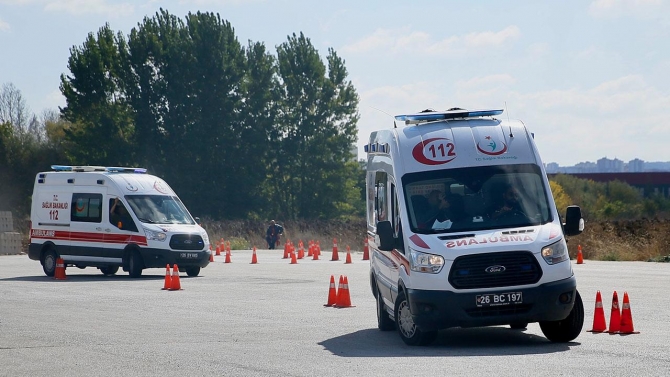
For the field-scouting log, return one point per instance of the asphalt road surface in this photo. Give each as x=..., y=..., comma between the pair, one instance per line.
x=268, y=319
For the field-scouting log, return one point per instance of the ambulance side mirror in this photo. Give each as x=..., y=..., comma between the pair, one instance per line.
x=385, y=234
x=574, y=223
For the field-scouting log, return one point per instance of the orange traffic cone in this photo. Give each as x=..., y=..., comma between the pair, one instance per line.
x=211, y=255
x=335, y=257
x=176, y=284
x=168, y=278
x=615, y=316
x=580, y=257
x=332, y=292
x=344, y=300
x=293, y=258
x=254, y=259
x=227, y=257
x=301, y=250
x=366, y=251
x=315, y=252
x=228, y=248
x=348, y=259
x=626, y=317
x=310, y=248
x=318, y=248
x=340, y=292
x=59, y=274
x=599, y=324
x=285, y=250
x=218, y=250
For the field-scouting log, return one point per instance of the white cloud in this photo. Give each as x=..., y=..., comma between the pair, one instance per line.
x=486, y=81
x=625, y=8
x=623, y=118
x=79, y=7
x=406, y=41
x=4, y=26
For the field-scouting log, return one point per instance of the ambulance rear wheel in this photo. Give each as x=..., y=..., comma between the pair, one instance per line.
x=409, y=332
x=49, y=263
x=135, y=264
x=384, y=322
x=192, y=271
x=109, y=270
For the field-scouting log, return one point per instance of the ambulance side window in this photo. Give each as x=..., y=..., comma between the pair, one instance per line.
x=86, y=208
x=395, y=220
x=381, y=204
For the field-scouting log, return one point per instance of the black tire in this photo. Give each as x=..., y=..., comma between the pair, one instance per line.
x=135, y=264
x=566, y=329
x=49, y=263
x=518, y=325
x=409, y=332
x=192, y=271
x=109, y=270
x=384, y=322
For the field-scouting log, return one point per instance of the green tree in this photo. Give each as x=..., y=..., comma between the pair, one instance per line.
x=102, y=121
x=317, y=126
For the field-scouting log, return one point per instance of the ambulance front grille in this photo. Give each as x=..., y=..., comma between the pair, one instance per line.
x=186, y=242
x=492, y=270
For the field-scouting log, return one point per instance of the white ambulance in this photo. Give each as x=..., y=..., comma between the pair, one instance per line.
x=111, y=217
x=464, y=231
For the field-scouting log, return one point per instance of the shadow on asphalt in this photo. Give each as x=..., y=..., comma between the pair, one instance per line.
x=80, y=278
x=480, y=341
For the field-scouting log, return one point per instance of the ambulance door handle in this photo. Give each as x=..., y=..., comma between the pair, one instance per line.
x=98, y=229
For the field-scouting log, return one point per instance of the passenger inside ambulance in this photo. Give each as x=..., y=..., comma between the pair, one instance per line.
x=476, y=199
x=119, y=216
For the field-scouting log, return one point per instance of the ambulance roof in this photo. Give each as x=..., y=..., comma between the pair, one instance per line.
x=453, y=139
x=129, y=180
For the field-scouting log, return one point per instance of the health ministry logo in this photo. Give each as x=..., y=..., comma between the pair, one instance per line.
x=491, y=147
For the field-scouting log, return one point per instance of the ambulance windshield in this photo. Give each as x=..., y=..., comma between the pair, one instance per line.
x=159, y=209
x=476, y=198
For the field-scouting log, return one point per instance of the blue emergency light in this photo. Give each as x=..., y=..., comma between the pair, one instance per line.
x=431, y=116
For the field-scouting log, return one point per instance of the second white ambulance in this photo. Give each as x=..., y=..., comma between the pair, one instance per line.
x=464, y=231
x=111, y=217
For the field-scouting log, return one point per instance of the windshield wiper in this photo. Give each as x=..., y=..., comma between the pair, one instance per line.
x=146, y=220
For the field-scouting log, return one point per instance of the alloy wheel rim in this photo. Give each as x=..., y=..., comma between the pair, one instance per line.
x=405, y=318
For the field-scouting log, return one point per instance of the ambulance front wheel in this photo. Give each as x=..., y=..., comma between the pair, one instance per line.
x=135, y=264
x=49, y=262
x=566, y=329
x=409, y=332
x=192, y=271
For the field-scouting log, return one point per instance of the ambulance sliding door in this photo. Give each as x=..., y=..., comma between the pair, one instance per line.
x=86, y=229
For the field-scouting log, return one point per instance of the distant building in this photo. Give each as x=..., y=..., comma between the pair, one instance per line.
x=551, y=167
x=635, y=166
x=606, y=165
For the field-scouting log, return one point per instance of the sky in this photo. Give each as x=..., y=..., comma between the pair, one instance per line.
x=590, y=79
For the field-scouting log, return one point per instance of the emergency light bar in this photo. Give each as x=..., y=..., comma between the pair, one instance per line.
x=444, y=115
x=98, y=168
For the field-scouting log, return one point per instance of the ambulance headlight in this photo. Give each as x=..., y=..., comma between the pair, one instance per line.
x=423, y=262
x=555, y=253
x=155, y=236
x=205, y=237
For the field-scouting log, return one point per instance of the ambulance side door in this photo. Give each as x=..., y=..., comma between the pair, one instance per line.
x=86, y=226
x=120, y=228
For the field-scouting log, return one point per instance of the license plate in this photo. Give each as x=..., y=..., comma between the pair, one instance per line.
x=189, y=255
x=499, y=299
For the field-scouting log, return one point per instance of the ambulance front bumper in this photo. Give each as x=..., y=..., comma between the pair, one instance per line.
x=434, y=310
x=154, y=258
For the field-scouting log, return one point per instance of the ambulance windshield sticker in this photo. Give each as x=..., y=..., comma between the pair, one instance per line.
x=491, y=146
x=158, y=185
x=435, y=151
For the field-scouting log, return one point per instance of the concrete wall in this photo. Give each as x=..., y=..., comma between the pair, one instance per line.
x=10, y=241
